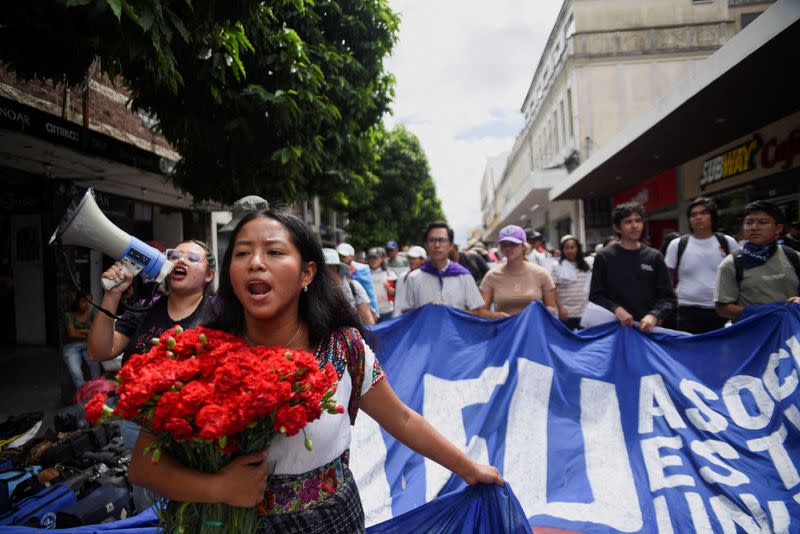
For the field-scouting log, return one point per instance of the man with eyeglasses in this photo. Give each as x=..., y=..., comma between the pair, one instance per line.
x=762, y=271
x=441, y=281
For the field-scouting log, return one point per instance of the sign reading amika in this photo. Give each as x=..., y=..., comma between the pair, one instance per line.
x=739, y=159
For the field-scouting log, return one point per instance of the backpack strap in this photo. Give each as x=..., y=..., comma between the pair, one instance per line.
x=723, y=242
x=791, y=255
x=738, y=265
x=681, y=249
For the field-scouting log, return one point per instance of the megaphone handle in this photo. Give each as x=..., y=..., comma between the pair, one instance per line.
x=127, y=266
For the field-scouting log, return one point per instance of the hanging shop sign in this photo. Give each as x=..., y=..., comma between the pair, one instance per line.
x=31, y=121
x=739, y=159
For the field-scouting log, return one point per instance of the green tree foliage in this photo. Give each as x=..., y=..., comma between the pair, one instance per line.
x=403, y=201
x=276, y=98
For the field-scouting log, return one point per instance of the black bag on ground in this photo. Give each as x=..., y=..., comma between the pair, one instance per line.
x=71, y=451
x=109, y=501
x=70, y=418
x=14, y=425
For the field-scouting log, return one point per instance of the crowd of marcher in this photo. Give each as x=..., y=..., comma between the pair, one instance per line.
x=698, y=282
x=278, y=286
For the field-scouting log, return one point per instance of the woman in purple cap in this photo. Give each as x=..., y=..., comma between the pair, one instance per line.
x=513, y=285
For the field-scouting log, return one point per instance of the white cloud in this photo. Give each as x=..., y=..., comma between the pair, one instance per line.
x=462, y=69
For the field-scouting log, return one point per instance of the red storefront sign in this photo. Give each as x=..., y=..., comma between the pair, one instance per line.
x=658, y=192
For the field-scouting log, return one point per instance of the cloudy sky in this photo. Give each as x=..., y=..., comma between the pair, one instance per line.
x=463, y=68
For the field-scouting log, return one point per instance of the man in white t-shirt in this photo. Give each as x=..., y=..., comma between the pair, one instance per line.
x=692, y=263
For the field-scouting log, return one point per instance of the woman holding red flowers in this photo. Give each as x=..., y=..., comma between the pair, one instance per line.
x=188, y=300
x=275, y=291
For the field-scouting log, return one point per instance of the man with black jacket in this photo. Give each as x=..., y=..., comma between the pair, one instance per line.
x=630, y=279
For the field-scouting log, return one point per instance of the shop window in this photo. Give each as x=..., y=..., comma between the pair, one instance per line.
x=597, y=212
x=747, y=18
x=555, y=130
x=569, y=113
x=563, y=227
x=569, y=27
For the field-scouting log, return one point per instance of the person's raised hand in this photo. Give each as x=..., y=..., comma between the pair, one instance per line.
x=243, y=481
x=116, y=273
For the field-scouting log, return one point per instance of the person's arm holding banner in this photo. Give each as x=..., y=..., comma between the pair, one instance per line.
x=410, y=428
x=726, y=291
x=598, y=293
x=666, y=299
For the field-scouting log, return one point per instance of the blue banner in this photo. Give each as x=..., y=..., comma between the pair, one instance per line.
x=609, y=430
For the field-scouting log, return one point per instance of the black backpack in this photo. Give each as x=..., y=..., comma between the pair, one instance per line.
x=723, y=242
x=790, y=253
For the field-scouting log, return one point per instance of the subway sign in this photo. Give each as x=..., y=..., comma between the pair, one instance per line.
x=736, y=160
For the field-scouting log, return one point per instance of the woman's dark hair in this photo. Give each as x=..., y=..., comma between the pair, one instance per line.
x=579, y=259
x=709, y=205
x=625, y=210
x=323, y=308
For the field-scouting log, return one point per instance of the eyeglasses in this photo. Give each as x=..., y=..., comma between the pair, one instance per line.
x=757, y=222
x=438, y=241
x=174, y=255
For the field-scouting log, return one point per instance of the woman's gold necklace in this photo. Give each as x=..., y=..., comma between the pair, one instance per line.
x=250, y=341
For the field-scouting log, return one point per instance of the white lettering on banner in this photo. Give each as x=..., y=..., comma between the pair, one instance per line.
x=663, y=521
x=729, y=516
x=655, y=464
x=442, y=405
x=773, y=444
x=654, y=400
x=732, y=397
x=713, y=422
x=708, y=449
x=608, y=467
x=772, y=380
x=794, y=347
x=793, y=415
x=698, y=513
x=370, y=470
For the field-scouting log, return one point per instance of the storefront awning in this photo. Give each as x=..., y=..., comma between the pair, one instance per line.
x=740, y=88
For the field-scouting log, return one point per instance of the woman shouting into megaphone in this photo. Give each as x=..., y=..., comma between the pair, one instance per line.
x=186, y=304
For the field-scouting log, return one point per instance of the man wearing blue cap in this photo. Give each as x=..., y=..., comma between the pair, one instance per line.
x=395, y=260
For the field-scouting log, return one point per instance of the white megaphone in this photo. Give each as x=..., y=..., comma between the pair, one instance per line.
x=85, y=225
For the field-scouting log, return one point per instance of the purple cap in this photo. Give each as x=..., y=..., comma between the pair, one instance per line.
x=512, y=234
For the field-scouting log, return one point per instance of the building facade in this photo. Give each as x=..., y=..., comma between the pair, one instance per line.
x=604, y=64
x=729, y=131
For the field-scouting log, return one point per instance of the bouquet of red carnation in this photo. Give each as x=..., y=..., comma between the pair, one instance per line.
x=207, y=396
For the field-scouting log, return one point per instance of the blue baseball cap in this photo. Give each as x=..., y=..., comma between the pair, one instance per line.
x=391, y=245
